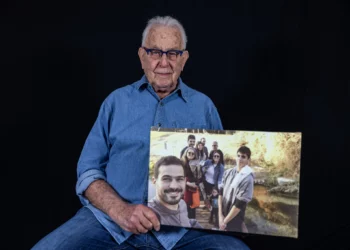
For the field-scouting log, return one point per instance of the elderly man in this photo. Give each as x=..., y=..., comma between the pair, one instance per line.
x=169, y=179
x=113, y=165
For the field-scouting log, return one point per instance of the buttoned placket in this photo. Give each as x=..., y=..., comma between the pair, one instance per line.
x=160, y=117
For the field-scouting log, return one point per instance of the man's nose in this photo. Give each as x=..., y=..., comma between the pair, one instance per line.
x=173, y=184
x=164, y=60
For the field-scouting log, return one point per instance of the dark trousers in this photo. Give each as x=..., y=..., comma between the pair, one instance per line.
x=86, y=232
x=214, y=213
x=208, y=187
x=191, y=212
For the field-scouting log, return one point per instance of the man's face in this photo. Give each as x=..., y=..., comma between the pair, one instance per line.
x=242, y=159
x=163, y=73
x=203, y=141
x=191, y=142
x=170, y=184
x=215, y=145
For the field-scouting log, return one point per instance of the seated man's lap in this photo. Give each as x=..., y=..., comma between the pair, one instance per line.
x=84, y=231
x=199, y=239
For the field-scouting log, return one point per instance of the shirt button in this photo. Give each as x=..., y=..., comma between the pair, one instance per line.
x=159, y=124
x=161, y=104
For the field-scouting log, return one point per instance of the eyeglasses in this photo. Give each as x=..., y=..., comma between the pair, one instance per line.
x=215, y=145
x=156, y=54
x=241, y=156
x=216, y=156
x=190, y=153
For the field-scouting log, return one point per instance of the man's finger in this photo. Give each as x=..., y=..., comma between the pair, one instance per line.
x=146, y=223
x=151, y=216
x=129, y=229
x=141, y=229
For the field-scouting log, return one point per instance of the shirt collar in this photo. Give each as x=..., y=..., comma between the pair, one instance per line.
x=182, y=88
x=246, y=170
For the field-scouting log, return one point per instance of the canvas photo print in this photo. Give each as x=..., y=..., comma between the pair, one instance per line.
x=237, y=181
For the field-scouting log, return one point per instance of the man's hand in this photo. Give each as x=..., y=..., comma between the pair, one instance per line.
x=135, y=218
x=222, y=225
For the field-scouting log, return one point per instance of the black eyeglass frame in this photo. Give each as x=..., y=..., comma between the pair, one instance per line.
x=178, y=52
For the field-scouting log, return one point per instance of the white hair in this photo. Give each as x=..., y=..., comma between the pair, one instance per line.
x=167, y=21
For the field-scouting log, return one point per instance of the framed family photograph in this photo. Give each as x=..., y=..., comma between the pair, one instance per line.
x=239, y=181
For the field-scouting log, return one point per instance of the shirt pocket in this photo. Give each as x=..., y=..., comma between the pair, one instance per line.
x=190, y=125
x=188, y=119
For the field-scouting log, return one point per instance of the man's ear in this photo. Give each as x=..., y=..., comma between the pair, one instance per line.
x=141, y=54
x=154, y=180
x=184, y=59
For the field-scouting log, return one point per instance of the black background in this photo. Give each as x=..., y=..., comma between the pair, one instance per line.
x=267, y=65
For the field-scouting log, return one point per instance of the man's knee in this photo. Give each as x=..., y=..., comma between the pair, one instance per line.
x=71, y=234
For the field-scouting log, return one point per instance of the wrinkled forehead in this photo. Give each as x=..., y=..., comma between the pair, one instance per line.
x=164, y=38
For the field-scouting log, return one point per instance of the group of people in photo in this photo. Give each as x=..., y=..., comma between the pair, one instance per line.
x=224, y=192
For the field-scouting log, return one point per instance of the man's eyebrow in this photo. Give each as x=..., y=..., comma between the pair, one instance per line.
x=167, y=176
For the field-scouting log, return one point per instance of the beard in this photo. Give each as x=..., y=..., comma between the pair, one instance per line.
x=171, y=200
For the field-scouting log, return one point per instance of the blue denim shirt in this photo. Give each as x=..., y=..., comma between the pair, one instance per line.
x=117, y=147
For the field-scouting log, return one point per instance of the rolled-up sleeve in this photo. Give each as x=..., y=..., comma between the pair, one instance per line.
x=95, y=154
x=85, y=180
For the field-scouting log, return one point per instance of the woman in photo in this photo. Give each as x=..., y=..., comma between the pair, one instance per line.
x=213, y=171
x=200, y=151
x=193, y=178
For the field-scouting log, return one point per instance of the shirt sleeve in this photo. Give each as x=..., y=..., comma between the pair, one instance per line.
x=245, y=193
x=239, y=203
x=221, y=173
x=221, y=186
x=182, y=152
x=95, y=154
x=213, y=117
x=195, y=224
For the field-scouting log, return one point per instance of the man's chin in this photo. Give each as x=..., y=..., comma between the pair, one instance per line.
x=173, y=200
x=163, y=85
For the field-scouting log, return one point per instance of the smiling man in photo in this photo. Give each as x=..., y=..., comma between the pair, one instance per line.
x=169, y=179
